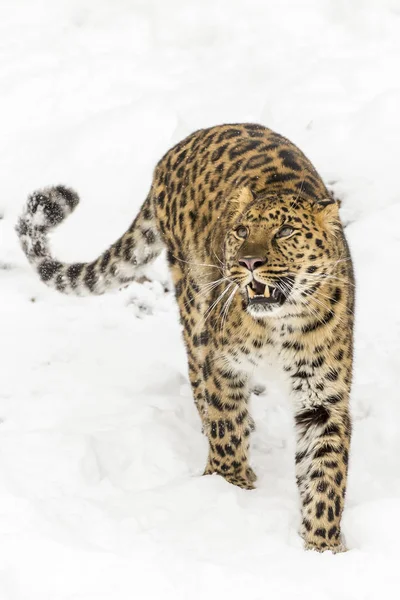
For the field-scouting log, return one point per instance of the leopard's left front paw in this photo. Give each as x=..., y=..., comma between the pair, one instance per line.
x=322, y=546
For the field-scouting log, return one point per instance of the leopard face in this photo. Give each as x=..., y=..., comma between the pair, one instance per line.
x=278, y=250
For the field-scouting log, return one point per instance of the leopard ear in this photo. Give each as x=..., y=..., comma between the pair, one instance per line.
x=242, y=197
x=323, y=203
x=328, y=210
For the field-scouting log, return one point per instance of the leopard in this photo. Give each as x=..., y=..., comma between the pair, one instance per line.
x=261, y=268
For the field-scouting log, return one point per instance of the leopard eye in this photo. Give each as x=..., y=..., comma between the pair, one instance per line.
x=284, y=232
x=242, y=232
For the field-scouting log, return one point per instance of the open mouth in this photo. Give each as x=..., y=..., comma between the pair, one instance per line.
x=260, y=293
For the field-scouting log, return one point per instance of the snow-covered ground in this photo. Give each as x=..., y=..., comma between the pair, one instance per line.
x=100, y=446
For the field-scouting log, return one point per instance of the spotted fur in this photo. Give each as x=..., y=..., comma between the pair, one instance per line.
x=222, y=199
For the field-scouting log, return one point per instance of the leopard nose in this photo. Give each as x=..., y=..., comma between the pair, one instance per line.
x=251, y=262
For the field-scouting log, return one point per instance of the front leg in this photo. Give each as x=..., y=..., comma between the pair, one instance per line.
x=323, y=437
x=221, y=393
x=227, y=423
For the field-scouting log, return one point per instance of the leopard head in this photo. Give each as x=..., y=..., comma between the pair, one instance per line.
x=278, y=247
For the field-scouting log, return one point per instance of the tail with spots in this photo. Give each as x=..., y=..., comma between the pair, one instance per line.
x=121, y=264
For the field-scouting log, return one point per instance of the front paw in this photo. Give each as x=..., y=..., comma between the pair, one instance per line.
x=322, y=546
x=244, y=478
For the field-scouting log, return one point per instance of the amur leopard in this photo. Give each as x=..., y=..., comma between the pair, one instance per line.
x=260, y=265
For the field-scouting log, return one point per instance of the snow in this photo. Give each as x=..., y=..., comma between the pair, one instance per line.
x=100, y=448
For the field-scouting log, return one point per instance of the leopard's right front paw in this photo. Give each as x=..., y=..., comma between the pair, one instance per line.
x=244, y=478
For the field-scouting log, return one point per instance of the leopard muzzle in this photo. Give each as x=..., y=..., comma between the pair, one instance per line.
x=260, y=294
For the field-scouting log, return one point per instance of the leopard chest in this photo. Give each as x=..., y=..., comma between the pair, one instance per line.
x=249, y=354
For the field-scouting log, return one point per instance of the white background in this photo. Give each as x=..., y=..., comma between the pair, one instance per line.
x=101, y=454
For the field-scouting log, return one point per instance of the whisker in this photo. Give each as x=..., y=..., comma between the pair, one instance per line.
x=204, y=293
x=327, y=277
x=195, y=264
x=308, y=300
x=212, y=284
x=225, y=308
x=213, y=305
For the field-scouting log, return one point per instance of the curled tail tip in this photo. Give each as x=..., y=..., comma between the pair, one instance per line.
x=47, y=207
x=44, y=210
